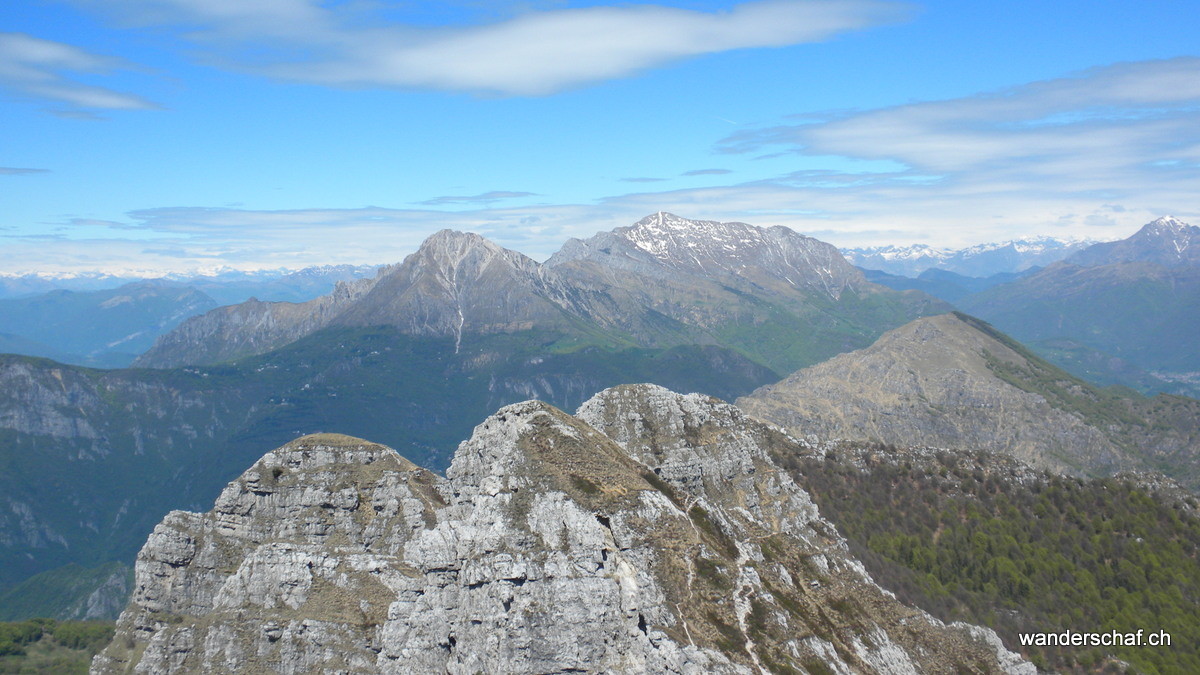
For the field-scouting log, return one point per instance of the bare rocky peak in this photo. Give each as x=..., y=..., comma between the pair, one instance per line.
x=651, y=532
x=775, y=255
x=455, y=282
x=460, y=282
x=1165, y=241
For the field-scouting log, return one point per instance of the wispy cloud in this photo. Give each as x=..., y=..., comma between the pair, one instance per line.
x=482, y=198
x=530, y=54
x=1041, y=152
x=1123, y=113
x=14, y=171
x=706, y=172
x=47, y=70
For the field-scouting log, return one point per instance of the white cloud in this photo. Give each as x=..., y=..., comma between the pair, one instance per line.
x=1128, y=113
x=39, y=68
x=532, y=54
x=1044, y=155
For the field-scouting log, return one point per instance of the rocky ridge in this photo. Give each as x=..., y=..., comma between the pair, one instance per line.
x=251, y=327
x=650, y=532
x=952, y=381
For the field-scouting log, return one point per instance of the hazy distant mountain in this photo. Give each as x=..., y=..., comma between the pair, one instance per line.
x=942, y=284
x=982, y=260
x=1166, y=241
x=232, y=287
x=775, y=296
x=21, y=285
x=251, y=327
x=1137, y=300
x=100, y=328
x=953, y=381
x=224, y=286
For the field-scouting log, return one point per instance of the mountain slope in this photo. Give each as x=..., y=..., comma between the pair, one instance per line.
x=948, y=286
x=251, y=327
x=554, y=544
x=460, y=283
x=1126, y=311
x=979, y=537
x=953, y=381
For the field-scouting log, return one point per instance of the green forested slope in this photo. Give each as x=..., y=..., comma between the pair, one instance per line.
x=983, y=540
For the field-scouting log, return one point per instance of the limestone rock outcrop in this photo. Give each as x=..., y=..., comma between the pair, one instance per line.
x=651, y=532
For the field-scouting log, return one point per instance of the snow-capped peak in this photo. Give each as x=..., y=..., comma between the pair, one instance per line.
x=1166, y=224
x=664, y=234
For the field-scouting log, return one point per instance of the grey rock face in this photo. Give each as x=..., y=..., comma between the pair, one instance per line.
x=652, y=532
x=460, y=282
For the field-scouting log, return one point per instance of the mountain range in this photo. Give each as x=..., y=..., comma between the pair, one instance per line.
x=981, y=260
x=223, y=285
x=105, y=328
x=90, y=320
x=777, y=297
x=938, y=487
x=438, y=342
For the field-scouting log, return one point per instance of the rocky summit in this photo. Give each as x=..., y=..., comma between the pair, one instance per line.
x=649, y=532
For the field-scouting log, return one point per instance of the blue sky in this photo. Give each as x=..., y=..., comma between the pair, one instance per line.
x=160, y=135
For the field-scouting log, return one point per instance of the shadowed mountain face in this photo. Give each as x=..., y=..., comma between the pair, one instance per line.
x=1141, y=312
x=779, y=298
x=651, y=532
x=953, y=381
